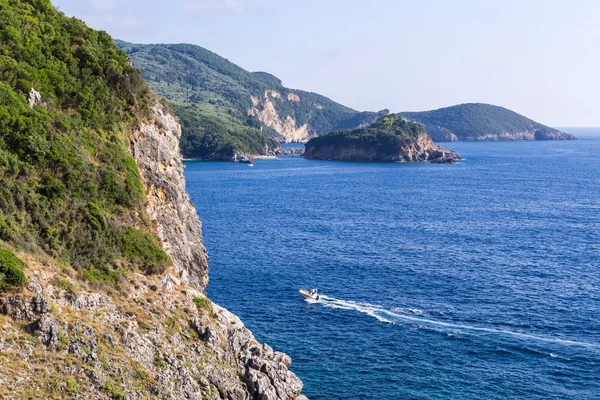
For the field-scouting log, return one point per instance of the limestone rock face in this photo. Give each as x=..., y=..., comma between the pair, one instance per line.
x=155, y=148
x=143, y=343
x=264, y=109
x=35, y=99
x=148, y=337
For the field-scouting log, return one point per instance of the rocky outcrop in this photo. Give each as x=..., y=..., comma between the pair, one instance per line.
x=265, y=110
x=34, y=98
x=151, y=341
x=421, y=150
x=390, y=139
x=155, y=148
x=150, y=337
x=439, y=133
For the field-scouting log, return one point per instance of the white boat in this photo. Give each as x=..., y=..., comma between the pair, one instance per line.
x=310, y=294
x=251, y=164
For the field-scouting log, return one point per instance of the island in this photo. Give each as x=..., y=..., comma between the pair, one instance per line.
x=478, y=122
x=390, y=139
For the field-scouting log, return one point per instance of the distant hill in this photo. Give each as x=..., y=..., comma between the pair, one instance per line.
x=225, y=109
x=390, y=139
x=477, y=121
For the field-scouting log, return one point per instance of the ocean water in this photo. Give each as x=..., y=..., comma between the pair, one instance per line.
x=467, y=281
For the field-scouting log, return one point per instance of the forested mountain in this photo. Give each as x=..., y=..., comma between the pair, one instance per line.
x=477, y=121
x=224, y=108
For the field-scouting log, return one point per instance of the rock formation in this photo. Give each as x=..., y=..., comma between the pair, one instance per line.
x=158, y=336
x=390, y=139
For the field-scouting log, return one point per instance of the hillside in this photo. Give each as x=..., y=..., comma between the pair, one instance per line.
x=102, y=263
x=476, y=121
x=391, y=138
x=223, y=107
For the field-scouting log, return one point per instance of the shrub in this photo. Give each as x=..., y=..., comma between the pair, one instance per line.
x=101, y=275
x=143, y=250
x=11, y=271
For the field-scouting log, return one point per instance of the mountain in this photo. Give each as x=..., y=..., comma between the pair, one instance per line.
x=391, y=138
x=102, y=264
x=225, y=109
x=477, y=121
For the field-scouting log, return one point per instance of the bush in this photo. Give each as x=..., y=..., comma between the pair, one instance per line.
x=142, y=249
x=101, y=275
x=11, y=271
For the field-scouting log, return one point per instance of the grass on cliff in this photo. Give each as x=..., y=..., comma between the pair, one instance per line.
x=70, y=188
x=11, y=271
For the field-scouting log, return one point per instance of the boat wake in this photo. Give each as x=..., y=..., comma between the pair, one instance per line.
x=411, y=315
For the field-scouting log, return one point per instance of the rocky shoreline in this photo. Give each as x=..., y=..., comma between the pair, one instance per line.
x=390, y=139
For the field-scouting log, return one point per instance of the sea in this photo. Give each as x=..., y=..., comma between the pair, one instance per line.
x=478, y=280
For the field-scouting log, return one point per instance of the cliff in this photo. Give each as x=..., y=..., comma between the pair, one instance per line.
x=390, y=139
x=477, y=122
x=225, y=109
x=102, y=266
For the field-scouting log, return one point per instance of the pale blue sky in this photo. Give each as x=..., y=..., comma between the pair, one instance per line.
x=540, y=58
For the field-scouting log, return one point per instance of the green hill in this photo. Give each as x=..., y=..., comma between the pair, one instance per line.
x=477, y=121
x=390, y=138
x=213, y=98
x=69, y=186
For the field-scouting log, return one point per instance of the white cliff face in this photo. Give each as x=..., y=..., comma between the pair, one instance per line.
x=264, y=108
x=155, y=148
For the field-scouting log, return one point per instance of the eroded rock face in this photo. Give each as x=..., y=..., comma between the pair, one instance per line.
x=155, y=149
x=264, y=109
x=35, y=99
x=142, y=343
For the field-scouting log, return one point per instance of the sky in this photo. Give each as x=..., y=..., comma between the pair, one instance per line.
x=540, y=58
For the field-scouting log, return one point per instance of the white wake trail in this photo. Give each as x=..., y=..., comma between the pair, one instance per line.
x=391, y=317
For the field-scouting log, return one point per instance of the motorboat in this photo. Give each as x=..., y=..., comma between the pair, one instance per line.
x=310, y=294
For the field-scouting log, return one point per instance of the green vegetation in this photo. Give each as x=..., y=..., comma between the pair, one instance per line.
x=385, y=136
x=212, y=96
x=66, y=285
x=11, y=271
x=475, y=120
x=142, y=249
x=69, y=186
x=204, y=304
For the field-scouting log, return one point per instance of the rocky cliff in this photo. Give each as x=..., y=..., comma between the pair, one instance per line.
x=102, y=264
x=390, y=139
x=154, y=336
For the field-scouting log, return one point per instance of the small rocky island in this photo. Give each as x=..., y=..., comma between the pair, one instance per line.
x=390, y=139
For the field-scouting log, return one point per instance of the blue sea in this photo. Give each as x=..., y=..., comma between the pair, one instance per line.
x=479, y=280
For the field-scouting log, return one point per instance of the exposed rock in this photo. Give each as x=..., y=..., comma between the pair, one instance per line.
x=242, y=158
x=155, y=149
x=169, y=282
x=293, y=97
x=35, y=99
x=287, y=127
x=47, y=329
